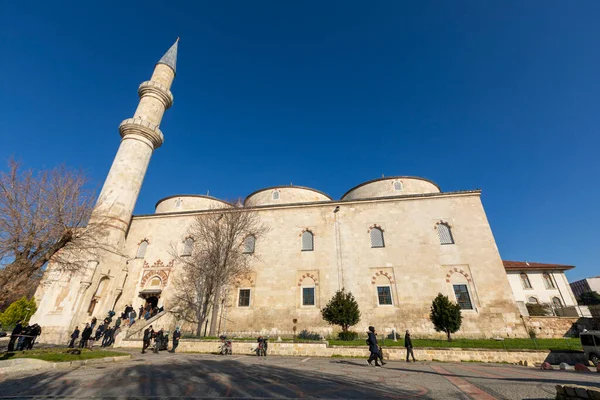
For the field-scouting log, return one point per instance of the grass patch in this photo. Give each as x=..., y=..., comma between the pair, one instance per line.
x=60, y=354
x=509, y=344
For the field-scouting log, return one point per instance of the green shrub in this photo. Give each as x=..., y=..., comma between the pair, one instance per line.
x=306, y=335
x=445, y=315
x=349, y=335
x=538, y=310
x=342, y=310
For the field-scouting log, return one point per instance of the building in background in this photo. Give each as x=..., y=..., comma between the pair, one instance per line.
x=542, y=284
x=586, y=285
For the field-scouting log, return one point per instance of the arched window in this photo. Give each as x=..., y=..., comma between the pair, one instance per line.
x=533, y=300
x=307, y=241
x=525, y=281
x=557, y=303
x=142, y=249
x=445, y=233
x=548, y=281
x=377, y=237
x=397, y=186
x=102, y=285
x=155, y=282
x=188, y=246
x=308, y=292
x=249, y=243
x=275, y=194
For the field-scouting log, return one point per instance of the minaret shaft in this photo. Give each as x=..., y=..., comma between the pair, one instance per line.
x=141, y=135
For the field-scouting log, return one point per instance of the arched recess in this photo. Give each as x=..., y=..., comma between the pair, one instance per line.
x=462, y=288
x=99, y=294
x=308, y=290
x=384, y=288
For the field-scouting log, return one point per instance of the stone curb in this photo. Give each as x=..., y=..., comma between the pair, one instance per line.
x=29, y=364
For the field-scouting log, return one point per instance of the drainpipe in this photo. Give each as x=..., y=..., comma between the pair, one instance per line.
x=338, y=247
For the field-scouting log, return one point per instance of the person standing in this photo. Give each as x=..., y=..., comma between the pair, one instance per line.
x=85, y=336
x=409, y=346
x=176, y=336
x=132, y=316
x=141, y=312
x=148, y=333
x=21, y=344
x=74, y=336
x=373, y=346
x=158, y=340
x=36, y=331
x=15, y=335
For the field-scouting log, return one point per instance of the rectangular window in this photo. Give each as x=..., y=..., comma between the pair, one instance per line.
x=244, y=300
x=308, y=296
x=462, y=297
x=384, y=294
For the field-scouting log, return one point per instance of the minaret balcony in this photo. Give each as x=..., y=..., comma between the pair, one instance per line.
x=158, y=91
x=143, y=128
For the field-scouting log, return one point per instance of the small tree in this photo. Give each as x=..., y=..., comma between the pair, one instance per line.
x=342, y=310
x=21, y=309
x=445, y=315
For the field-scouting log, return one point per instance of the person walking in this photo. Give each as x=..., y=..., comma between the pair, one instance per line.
x=409, y=346
x=373, y=346
x=85, y=336
x=141, y=312
x=74, y=336
x=108, y=337
x=148, y=333
x=176, y=336
x=15, y=335
x=35, y=331
x=158, y=340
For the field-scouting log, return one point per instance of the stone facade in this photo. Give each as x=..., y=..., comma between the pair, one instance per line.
x=395, y=243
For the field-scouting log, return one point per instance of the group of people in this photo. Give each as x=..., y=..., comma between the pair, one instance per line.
x=147, y=312
x=105, y=333
x=377, y=352
x=24, y=336
x=161, y=339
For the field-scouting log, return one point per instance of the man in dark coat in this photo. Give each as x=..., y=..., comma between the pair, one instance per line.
x=148, y=333
x=176, y=336
x=74, y=336
x=85, y=336
x=409, y=346
x=373, y=347
x=158, y=340
x=15, y=335
x=34, y=332
x=108, y=337
x=25, y=338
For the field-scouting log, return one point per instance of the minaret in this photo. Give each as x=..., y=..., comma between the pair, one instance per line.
x=140, y=137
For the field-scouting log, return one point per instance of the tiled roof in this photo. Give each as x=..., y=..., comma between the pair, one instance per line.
x=525, y=265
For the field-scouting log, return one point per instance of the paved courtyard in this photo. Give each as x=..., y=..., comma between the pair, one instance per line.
x=209, y=376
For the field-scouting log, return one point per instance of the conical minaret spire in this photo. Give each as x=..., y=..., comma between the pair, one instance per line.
x=141, y=135
x=170, y=57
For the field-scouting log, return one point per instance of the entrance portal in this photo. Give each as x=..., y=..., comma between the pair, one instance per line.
x=152, y=301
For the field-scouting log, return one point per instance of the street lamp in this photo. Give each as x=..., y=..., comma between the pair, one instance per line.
x=26, y=314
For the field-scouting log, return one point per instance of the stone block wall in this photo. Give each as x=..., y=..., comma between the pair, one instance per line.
x=558, y=327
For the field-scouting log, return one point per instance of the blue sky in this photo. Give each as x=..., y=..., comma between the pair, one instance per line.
x=502, y=96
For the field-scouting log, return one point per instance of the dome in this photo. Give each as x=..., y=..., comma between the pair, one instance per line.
x=284, y=195
x=391, y=186
x=189, y=202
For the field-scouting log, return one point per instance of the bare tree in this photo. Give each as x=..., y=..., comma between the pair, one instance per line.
x=219, y=255
x=43, y=217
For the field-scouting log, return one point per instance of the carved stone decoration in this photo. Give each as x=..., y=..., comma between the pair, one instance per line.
x=161, y=274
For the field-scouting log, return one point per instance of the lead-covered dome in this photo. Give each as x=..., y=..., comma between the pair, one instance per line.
x=284, y=195
x=189, y=202
x=391, y=186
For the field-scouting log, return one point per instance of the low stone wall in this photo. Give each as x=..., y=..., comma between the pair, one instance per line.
x=321, y=349
x=558, y=327
x=574, y=392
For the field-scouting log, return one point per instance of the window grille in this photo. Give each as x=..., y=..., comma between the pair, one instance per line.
x=308, y=296
x=244, y=300
x=307, y=241
x=525, y=281
x=188, y=245
x=462, y=297
x=397, y=185
x=445, y=234
x=142, y=249
x=384, y=295
x=249, y=244
x=377, y=238
x=548, y=281
x=557, y=303
x=276, y=195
